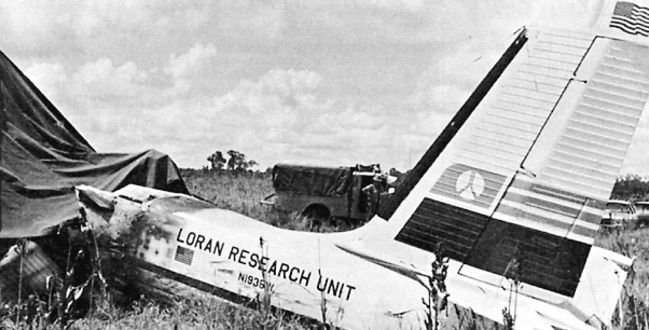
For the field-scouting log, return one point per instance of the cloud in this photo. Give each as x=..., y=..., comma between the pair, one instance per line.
x=102, y=83
x=187, y=68
x=103, y=76
x=58, y=26
x=279, y=116
x=49, y=77
x=394, y=5
x=94, y=95
x=318, y=81
x=282, y=117
x=278, y=92
x=447, y=82
x=65, y=28
x=272, y=110
x=191, y=62
x=251, y=19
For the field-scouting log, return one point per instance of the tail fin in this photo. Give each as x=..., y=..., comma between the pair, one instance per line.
x=525, y=167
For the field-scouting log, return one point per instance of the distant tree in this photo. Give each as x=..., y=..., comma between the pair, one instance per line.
x=235, y=159
x=217, y=161
x=238, y=162
x=631, y=187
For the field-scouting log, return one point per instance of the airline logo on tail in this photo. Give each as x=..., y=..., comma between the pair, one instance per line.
x=469, y=184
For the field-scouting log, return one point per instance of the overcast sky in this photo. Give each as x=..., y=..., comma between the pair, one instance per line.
x=312, y=81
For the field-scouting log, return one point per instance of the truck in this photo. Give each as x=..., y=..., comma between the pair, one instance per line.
x=618, y=213
x=642, y=212
x=350, y=193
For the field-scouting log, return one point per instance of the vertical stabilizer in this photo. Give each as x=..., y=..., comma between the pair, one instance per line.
x=523, y=170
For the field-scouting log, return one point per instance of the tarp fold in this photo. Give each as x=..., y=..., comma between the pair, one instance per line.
x=43, y=157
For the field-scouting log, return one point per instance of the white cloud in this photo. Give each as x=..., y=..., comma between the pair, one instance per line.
x=273, y=110
x=372, y=80
x=187, y=68
x=448, y=81
x=102, y=82
x=191, y=62
x=281, y=117
x=282, y=93
x=46, y=25
x=409, y=5
x=67, y=27
x=49, y=77
x=251, y=19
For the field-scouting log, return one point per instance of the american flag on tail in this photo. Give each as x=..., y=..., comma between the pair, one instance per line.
x=631, y=18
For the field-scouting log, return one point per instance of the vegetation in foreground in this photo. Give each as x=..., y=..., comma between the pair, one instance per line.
x=632, y=242
x=241, y=191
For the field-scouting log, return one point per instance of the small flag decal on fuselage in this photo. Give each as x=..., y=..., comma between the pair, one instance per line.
x=184, y=255
x=631, y=18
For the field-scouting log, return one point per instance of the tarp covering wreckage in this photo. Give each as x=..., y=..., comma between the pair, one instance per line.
x=312, y=180
x=44, y=157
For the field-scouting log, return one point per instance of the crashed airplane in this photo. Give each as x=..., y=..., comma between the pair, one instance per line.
x=511, y=193
x=512, y=190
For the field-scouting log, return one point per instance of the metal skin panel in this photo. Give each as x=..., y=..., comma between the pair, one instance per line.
x=546, y=261
x=456, y=229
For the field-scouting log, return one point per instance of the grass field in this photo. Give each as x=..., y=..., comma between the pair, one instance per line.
x=242, y=193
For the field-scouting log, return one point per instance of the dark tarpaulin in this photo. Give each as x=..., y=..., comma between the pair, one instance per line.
x=43, y=157
x=311, y=180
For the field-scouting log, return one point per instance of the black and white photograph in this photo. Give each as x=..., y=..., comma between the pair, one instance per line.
x=310, y=164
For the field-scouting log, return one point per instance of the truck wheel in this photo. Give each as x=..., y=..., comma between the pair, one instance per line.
x=317, y=213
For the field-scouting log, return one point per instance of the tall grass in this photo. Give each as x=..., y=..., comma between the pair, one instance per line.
x=237, y=191
x=205, y=313
x=632, y=242
x=242, y=192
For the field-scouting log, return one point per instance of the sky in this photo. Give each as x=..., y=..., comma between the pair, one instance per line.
x=305, y=81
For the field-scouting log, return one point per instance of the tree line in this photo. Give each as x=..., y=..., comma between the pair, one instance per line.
x=630, y=187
